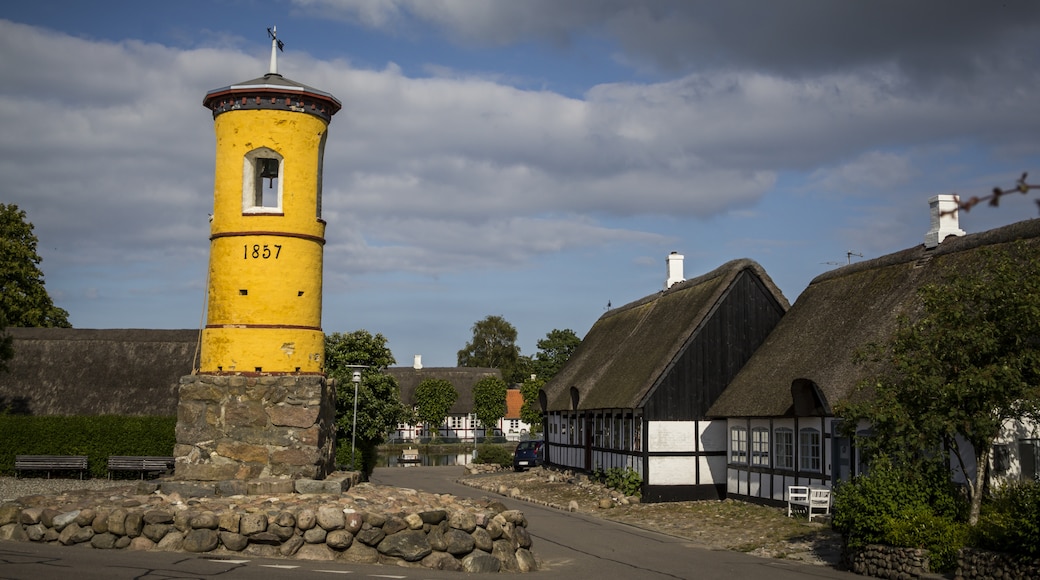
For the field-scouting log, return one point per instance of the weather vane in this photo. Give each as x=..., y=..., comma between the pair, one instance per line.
x=276, y=45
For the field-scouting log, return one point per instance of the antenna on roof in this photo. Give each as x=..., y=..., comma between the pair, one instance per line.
x=276, y=45
x=849, y=254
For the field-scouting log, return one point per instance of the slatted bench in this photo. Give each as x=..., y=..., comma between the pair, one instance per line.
x=140, y=463
x=50, y=463
x=815, y=500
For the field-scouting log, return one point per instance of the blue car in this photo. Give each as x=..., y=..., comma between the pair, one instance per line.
x=528, y=454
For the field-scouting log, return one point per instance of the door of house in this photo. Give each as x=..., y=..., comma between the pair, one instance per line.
x=841, y=454
x=589, y=428
x=1029, y=458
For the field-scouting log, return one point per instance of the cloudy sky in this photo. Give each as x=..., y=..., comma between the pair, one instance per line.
x=535, y=160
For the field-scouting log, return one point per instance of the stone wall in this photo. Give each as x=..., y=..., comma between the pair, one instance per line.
x=248, y=427
x=889, y=562
x=429, y=530
x=981, y=564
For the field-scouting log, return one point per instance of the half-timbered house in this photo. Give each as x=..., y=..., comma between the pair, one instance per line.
x=636, y=392
x=781, y=428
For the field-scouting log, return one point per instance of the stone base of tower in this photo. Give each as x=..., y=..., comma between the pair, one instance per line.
x=250, y=427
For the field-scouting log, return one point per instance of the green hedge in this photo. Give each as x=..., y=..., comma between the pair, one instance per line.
x=96, y=437
x=902, y=507
x=1010, y=521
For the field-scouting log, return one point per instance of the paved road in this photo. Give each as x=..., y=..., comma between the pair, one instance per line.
x=577, y=546
x=572, y=546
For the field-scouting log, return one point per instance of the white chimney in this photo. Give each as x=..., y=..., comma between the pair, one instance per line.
x=675, y=269
x=944, y=220
x=417, y=365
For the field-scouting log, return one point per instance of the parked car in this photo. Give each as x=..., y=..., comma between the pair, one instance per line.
x=528, y=454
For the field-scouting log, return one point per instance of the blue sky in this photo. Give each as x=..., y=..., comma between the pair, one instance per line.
x=534, y=160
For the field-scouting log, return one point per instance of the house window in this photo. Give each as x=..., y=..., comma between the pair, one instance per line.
x=783, y=457
x=809, y=449
x=261, y=181
x=738, y=444
x=760, y=446
x=1001, y=459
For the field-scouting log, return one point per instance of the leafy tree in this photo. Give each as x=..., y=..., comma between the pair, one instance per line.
x=379, y=407
x=969, y=364
x=493, y=346
x=554, y=351
x=23, y=299
x=531, y=411
x=433, y=400
x=489, y=402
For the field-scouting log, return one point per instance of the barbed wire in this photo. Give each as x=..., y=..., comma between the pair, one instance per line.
x=993, y=199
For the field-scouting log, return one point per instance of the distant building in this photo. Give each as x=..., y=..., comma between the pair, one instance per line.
x=461, y=423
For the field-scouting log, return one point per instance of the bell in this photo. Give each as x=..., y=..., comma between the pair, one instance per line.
x=269, y=170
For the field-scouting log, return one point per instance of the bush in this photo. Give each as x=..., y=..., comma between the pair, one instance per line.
x=493, y=454
x=1010, y=522
x=626, y=481
x=96, y=437
x=908, y=508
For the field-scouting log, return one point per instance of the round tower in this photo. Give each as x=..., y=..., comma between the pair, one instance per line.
x=259, y=405
x=267, y=234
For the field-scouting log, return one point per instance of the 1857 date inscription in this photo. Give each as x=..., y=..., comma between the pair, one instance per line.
x=261, y=251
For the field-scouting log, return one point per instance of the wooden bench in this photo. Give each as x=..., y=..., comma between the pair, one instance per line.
x=141, y=463
x=50, y=463
x=815, y=500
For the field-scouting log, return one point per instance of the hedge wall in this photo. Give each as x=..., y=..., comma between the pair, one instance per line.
x=96, y=437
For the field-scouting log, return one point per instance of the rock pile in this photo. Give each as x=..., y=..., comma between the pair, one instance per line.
x=370, y=524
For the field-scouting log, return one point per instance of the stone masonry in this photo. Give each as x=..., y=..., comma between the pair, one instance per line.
x=254, y=427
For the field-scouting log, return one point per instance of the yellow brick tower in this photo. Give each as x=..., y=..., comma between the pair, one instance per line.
x=260, y=406
x=267, y=235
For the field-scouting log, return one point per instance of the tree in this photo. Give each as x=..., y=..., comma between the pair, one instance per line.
x=23, y=298
x=531, y=411
x=493, y=346
x=489, y=402
x=554, y=351
x=433, y=400
x=967, y=366
x=379, y=407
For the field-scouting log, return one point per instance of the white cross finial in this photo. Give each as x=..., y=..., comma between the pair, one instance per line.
x=276, y=45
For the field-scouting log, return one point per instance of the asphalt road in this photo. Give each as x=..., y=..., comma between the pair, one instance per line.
x=569, y=545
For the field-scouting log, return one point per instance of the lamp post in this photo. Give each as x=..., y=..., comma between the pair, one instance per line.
x=356, y=379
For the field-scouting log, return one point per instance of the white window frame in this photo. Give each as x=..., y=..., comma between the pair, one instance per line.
x=809, y=449
x=253, y=184
x=738, y=445
x=760, y=446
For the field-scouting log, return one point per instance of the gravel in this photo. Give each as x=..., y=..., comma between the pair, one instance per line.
x=12, y=488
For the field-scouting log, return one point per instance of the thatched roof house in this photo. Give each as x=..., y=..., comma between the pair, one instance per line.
x=636, y=391
x=72, y=371
x=840, y=312
x=782, y=401
x=462, y=378
x=628, y=356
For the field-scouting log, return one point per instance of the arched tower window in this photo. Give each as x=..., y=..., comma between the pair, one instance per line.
x=261, y=181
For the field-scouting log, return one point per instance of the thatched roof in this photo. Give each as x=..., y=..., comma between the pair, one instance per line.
x=72, y=371
x=629, y=348
x=462, y=378
x=840, y=312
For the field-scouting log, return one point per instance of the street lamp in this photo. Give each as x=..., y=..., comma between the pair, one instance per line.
x=356, y=379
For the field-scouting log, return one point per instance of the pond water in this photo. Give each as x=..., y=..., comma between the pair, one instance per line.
x=428, y=460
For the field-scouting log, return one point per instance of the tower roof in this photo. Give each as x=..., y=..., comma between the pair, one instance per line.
x=272, y=91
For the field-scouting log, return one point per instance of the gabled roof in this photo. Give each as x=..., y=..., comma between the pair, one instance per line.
x=462, y=378
x=514, y=402
x=840, y=312
x=629, y=348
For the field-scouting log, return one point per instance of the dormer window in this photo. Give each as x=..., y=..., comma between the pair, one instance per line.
x=261, y=181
